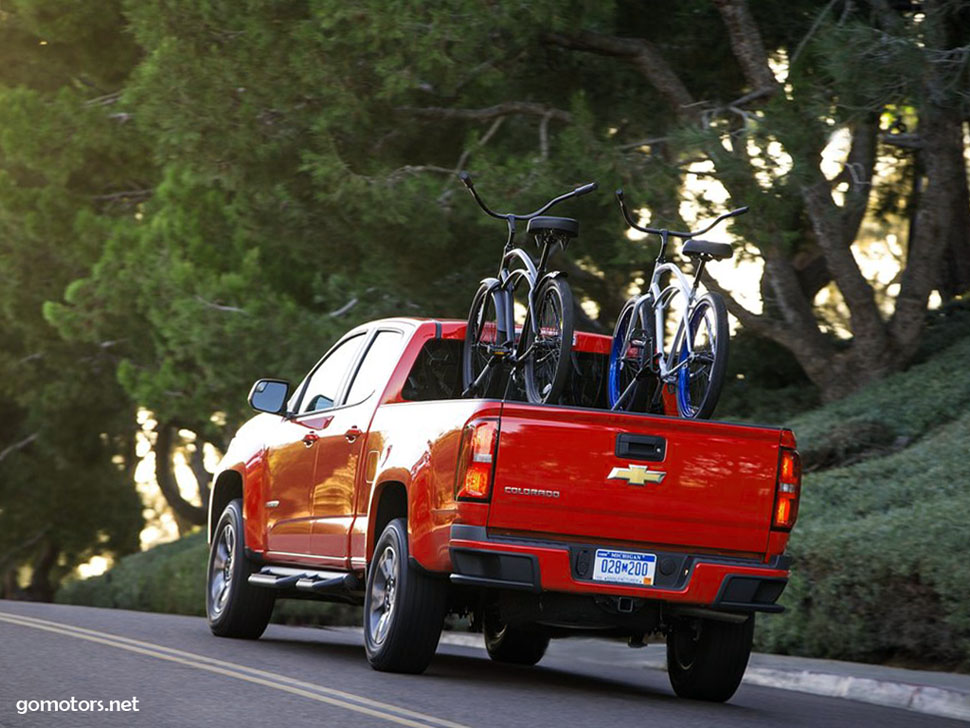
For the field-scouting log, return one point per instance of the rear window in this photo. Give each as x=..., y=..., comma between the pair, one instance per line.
x=436, y=374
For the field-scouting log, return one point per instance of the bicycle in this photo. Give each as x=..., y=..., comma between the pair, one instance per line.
x=693, y=369
x=542, y=350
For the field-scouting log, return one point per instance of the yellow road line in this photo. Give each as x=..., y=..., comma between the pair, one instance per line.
x=340, y=698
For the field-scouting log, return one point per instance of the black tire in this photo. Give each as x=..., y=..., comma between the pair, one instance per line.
x=233, y=606
x=699, y=383
x=403, y=615
x=513, y=645
x=630, y=351
x=706, y=659
x=547, y=367
x=483, y=332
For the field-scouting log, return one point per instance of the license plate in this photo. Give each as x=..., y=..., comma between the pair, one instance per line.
x=626, y=567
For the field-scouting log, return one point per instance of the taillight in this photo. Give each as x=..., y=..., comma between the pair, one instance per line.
x=476, y=460
x=789, y=486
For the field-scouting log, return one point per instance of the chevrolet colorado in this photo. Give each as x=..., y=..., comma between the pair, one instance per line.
x=373, y=482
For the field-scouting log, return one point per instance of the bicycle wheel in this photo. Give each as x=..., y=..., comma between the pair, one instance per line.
x=699, y=381
x=628, y=354
x=547, y=366
x=481, y=337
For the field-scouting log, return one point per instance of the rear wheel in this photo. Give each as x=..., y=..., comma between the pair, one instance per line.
x=404, y=607
x=513, y=645
x=699, y=381
x=706, y=659
x=629, y=353
x=481, y=337
x=234, y=607
x=547, y=366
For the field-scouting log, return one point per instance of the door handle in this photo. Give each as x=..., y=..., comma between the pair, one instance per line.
x=310, y=438
x=353, y=433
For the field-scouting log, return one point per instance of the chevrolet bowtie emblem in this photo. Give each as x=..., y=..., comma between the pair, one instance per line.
x=636, y=475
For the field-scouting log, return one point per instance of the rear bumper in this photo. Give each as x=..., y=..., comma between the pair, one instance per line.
x=730, y=584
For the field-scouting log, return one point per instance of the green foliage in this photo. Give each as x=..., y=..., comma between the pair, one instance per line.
x=881, y=564
x=65, y=483
x=893, y=411
x=171, y=578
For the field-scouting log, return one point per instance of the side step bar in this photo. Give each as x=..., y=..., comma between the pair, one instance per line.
x=308, y=581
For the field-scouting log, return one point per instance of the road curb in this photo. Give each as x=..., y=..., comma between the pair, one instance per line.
x=928, y=699
x=937, y=701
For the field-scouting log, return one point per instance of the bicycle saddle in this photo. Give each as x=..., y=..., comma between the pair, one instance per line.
x=718, y=251
x=563, y=225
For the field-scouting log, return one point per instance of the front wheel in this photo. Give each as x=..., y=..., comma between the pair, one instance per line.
x=547, y=364
x=704, y=361
x=404, y=607
x=234, y=607
x=706, y=659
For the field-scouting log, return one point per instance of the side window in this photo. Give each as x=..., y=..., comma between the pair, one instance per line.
x=436, y=373
x=324, y=384
x=379, y=362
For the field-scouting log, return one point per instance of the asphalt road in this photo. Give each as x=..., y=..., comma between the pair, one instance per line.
x=183, y=676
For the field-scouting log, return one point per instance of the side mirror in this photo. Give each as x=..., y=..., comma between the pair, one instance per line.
x=269, y=395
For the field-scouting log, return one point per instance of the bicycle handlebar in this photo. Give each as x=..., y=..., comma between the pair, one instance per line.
x=676, y=234
x=467, y=181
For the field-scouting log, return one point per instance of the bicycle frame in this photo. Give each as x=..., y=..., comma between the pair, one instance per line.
x=661, y=299
x=509, y=278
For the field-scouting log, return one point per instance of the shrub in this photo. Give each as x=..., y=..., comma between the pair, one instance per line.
x=891, y=586
x=170, y=578
x=889, y=413
x=881, y=565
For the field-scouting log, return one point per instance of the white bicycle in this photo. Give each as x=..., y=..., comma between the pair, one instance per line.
x=692, y=369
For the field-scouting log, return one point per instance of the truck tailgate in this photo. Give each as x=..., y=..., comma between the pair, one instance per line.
x=553, y=468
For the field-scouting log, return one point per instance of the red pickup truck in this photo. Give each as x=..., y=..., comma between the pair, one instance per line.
x=373, y=482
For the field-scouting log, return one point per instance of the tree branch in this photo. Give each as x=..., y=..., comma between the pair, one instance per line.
x=642, y=55
x=544, y=137
x=858, y=171
x=527, y=108
x=130, y=195
x=759, y=324
x=18, y=445
x=22, y=546
x=747, y=45
x=347, y=306
x=906, y=141
x=866, y=322
x=811, y=31
x=220, y=307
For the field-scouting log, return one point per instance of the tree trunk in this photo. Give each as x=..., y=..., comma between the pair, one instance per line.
x=941, y=130
x=955, y=271
x=164, y=474
x=10, y=587
x=40, y=588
